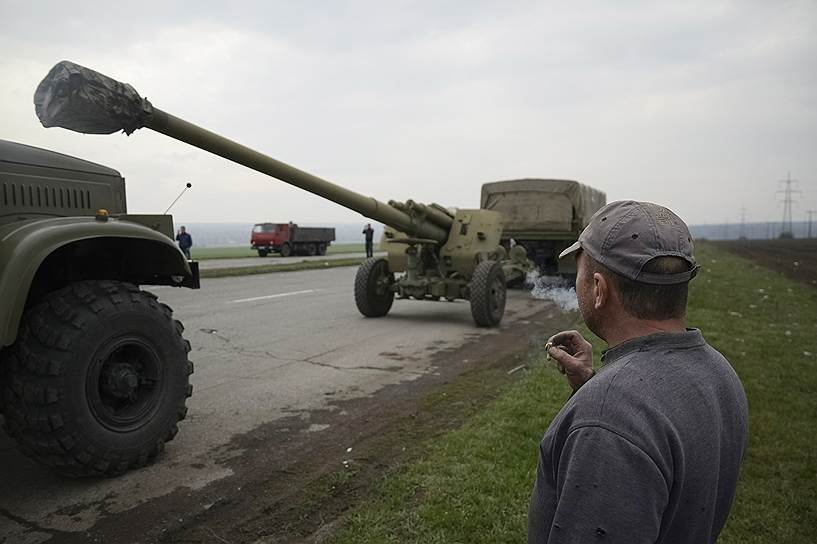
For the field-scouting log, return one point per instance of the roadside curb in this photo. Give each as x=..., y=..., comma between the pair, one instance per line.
x=273, y=268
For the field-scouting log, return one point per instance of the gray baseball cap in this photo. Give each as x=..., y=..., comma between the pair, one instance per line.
x=625, y=235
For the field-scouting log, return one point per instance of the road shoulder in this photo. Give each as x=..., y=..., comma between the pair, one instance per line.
x=295, y=476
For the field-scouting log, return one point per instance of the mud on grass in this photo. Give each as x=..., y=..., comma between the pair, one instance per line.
x=795, y=259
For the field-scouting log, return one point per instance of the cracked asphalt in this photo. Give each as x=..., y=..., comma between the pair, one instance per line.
x=265, y=347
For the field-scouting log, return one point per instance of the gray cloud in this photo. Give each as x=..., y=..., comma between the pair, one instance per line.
x=701, y=106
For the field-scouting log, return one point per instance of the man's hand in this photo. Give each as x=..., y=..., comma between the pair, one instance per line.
x=573, y=355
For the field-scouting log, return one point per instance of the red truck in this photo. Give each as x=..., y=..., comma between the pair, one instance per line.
x=290, y=239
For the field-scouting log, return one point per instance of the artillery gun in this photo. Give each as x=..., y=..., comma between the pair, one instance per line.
x=433, y=253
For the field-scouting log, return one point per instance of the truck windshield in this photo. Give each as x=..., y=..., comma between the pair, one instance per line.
x=264, y=228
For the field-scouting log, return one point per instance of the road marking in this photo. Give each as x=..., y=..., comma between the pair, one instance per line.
x=279, y=295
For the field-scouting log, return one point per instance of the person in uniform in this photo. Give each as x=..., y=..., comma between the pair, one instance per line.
x=368, y=232
x=185, y=241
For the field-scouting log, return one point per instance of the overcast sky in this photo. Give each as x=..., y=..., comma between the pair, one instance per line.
x=701, y=106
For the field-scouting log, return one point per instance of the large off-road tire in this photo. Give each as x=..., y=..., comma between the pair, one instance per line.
x=286, y=250
x=373, y=295
x=321, y=249
x=263, y=252
x=311, y=250
x=488, y=293
x=97, y=379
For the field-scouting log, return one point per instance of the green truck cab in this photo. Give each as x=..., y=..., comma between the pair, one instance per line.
x=94, y=373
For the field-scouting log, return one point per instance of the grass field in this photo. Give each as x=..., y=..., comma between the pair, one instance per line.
x=238, y=252
x=472, y=485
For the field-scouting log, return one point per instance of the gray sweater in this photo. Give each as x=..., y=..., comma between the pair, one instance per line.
x=648, y=450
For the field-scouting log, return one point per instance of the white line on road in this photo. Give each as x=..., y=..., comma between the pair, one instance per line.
x=278, y=295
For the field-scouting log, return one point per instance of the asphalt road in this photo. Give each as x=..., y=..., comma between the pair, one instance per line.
x=265, y=347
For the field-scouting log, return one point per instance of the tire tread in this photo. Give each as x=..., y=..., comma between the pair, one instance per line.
x=480, y=293
x=367, y=304
x=35, y=366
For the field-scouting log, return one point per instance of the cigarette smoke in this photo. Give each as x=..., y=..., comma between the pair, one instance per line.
x=553, y=288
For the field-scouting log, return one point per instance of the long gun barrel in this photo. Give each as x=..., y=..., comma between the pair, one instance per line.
x=80, y=99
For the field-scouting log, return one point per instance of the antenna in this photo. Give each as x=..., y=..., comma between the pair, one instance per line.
x=186, y=187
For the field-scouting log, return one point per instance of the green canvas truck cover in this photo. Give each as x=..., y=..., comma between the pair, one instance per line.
x=542, y=207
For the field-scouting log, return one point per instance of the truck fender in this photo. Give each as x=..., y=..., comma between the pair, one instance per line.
x=150, y=258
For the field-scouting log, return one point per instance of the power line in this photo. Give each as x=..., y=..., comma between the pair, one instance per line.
x=788, y=200
x=742, y=234
x=810, y=213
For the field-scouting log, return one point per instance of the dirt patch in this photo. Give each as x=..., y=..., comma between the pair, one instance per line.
x=795, y=259
x=296, y=477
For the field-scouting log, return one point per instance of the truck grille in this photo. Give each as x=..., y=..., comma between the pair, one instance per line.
x=22, y=195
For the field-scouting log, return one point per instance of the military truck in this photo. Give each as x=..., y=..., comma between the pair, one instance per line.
x=290, y=239
x=544, y=216
x=94, y=370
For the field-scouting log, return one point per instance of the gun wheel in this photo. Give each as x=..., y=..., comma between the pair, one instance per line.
x=488, y=294
x=97, y=379
x=373, y=294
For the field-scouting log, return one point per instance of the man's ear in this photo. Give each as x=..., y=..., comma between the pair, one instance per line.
x=601, y=290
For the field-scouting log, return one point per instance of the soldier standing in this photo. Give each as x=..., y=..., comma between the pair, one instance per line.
x=185, y=241
x=369, y=233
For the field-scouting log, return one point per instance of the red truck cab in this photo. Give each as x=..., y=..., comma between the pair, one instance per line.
x=290, y=239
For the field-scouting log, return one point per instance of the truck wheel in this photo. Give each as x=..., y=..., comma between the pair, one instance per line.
x=286, y=250
x=263, y=252
x=321, y=249
x=488, y=293
x=311, y=250
x=98, y=379
x=373, y=296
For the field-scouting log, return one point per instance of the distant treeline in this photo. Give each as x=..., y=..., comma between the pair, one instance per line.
x=752, y=231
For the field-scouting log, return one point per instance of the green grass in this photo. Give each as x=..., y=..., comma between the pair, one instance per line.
x=472, y=485
x=765, y=324
x=238, y=252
